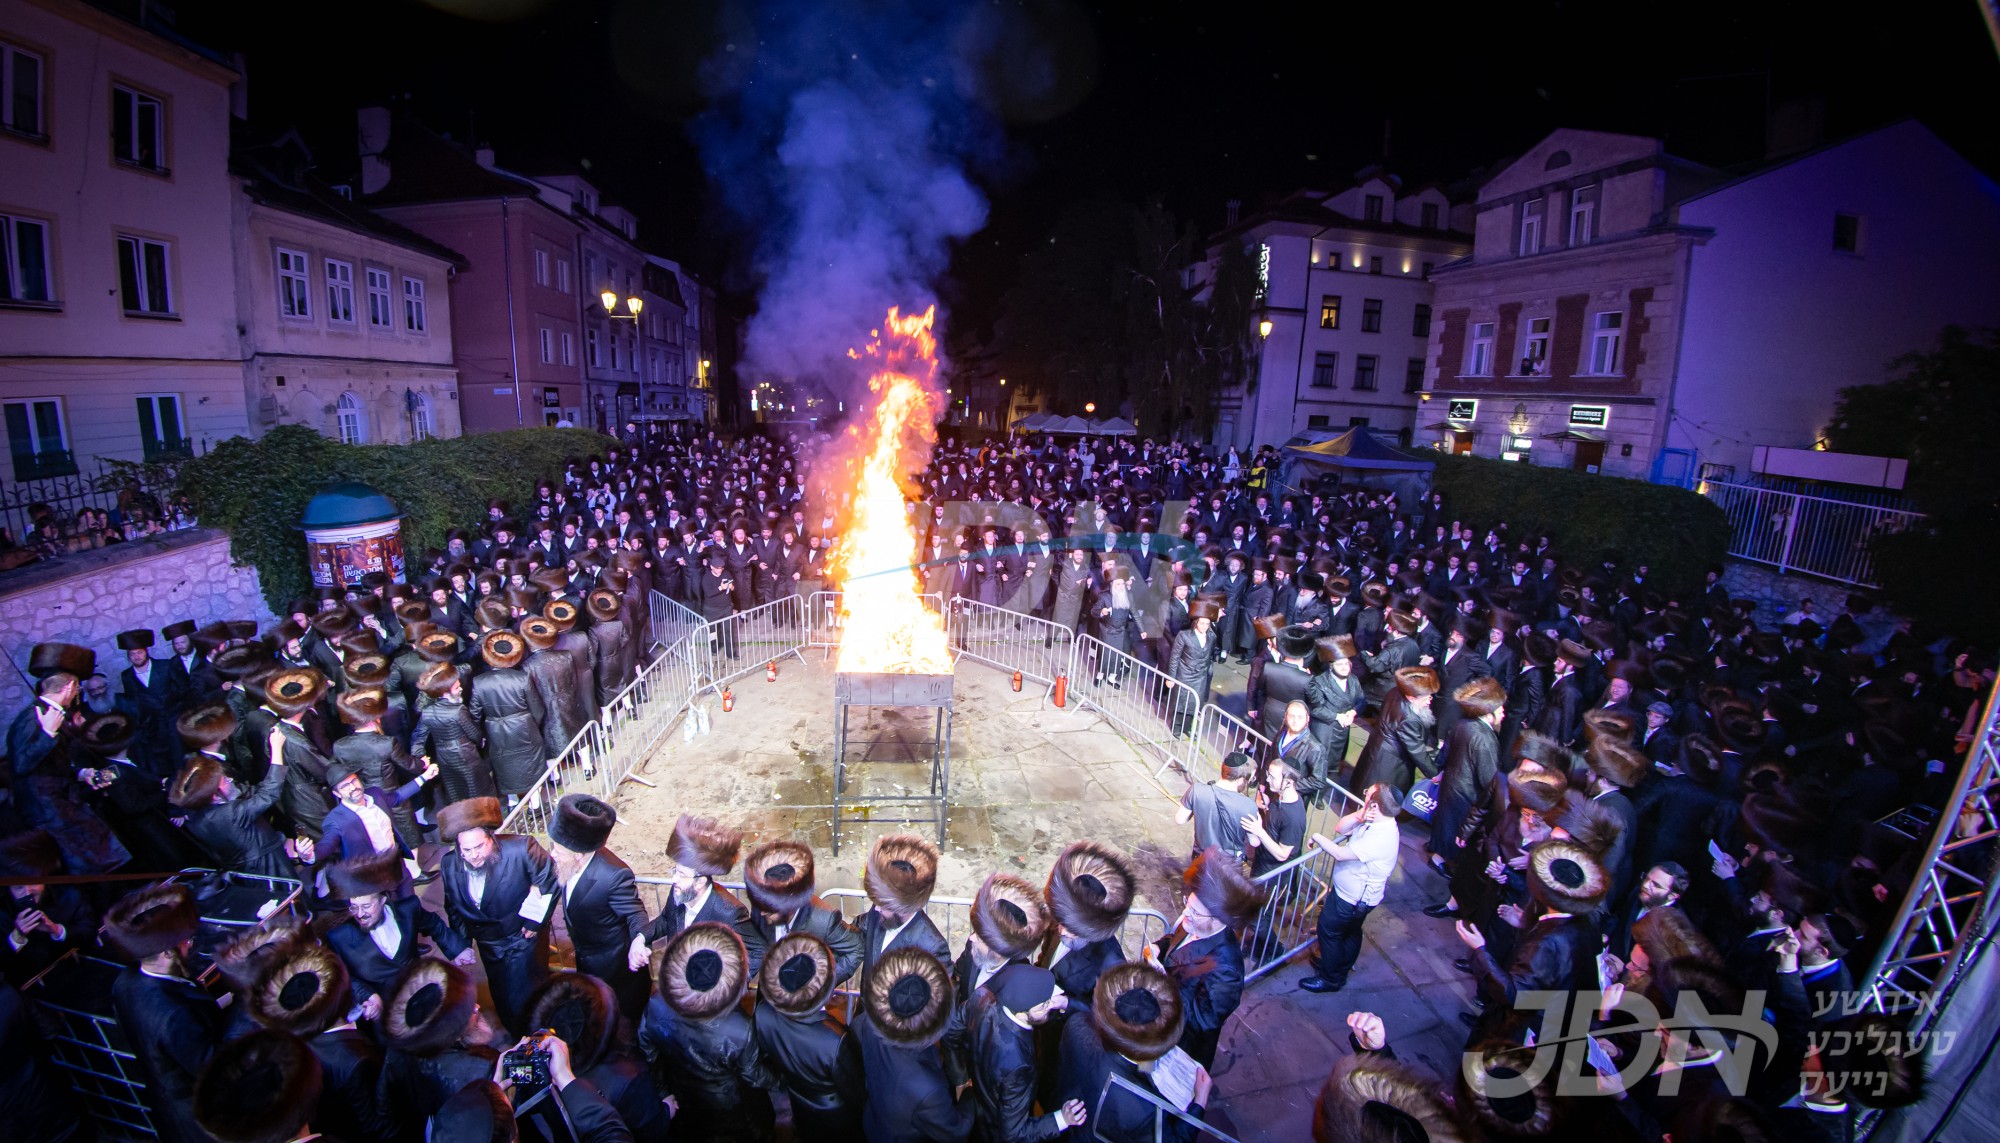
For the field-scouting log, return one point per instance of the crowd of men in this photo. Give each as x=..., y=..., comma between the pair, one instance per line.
x=1630, y=791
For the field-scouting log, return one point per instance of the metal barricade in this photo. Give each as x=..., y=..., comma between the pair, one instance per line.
x=670, y=619
x=1141, y=701
x=1217, y=734
x=823, y=617
x=1011, y=641
x=747, y=640
x=73, y=998
x=1289, y=921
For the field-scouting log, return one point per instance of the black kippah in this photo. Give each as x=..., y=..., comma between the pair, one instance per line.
x=1137, y=1006
x=299, y=991
x=1511, y=1108
x=782, y=871
x=1567, y=872
x=1012, y=913
x=423, y=1004
x=797, y=972
x=909, y=996
x=1090, y=888
x=704, y=970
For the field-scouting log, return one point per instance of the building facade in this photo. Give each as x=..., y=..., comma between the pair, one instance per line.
x=1344, y=285
x=346, y=316
x=117, y=307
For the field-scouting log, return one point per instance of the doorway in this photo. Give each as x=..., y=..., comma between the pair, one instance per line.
x=1589, y=456
x=1461, y=442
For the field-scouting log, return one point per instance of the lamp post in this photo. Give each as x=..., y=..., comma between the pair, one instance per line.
x=635, y=303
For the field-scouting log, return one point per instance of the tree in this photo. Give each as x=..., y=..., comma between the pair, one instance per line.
x=1934, y=414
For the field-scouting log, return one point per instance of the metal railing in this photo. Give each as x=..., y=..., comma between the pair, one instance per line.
x=823, y=616
x=1142, y=701
x=747, y=640
x=1217, y=734
x=57, y=494
x=1012, y=641
x=1162, y=1110
x=1795, y=532
x=669, y=618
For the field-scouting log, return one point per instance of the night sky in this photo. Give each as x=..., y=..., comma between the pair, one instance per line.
x=1195, y=103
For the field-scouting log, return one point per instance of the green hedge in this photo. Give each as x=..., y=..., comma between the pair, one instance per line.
x=1675, y=532
x=257, y=490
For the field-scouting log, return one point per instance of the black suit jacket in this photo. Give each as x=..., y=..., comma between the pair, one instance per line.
x=517, y=865
x=1003, y=1076
x=368, y=971
x=173, y=1027
x=817, y=918
x=721, y=906
x=921, y=933
x=350, y=1102
x=909, y=1099
x=1077, y=972
x=1209, y=974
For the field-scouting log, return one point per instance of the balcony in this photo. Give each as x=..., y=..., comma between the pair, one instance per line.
x=44, y=465
x=173, y=448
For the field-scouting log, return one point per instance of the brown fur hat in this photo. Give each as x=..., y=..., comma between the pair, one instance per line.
x=1401, y=622
x=243, y=959
x=1566, y=877
x=436, y=646
x=49, y=658
x=437, y=679
x=1204, y=607
x=1545, y=752
x=361, y=642
x=778, y=876
x=429, y=1008
x=359, y=706
x=30, y=853
x=374, y=874
x=1535, y=1113
x=1480, y=697
x=1415, y=682
x=206, y=725
x=561, y=612
x=1370, y=1096
x=902, y=871
x=1538, y=793
x=366, y=670
x=147, y=922
x=1137, y=1010
x=540, y=632
x=583, y=1013
x=234, y=664
x=1218, y=881
x=1334, y=647
x=196, y=784
x=502, y=649
x=260, y=1087
x=295, y=690
x=1589, y=822
x=797, y=977
x=493, y=614
x=109, y=734
x=604, y=605
x=1010, y=916
x=704, y=845
x=704, y=971
x=1615, y=761
x=1602, y=722
x=1090, y=890
x=301, y=990
x=336, y=621
x=582, y=823
x=1267, y=626
x=468, y=813
x=908, y=997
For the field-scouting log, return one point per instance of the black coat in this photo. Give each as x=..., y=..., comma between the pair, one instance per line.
x=448, y=736
x=517, y=865
x=819, y=919
x=1470, y=767
x=414, y=1087
x=820, y=1068
x=350, y=1101
x=721, y=907
x=1084, y=1067
x=1561, y=718
x=237, y=834
x=1396, y=654
x=369, y=973
x=715, y=1065
x=135, y=806
x=603, y=915
x=614, y=658
x=173, y=1028
x=35, y=1101
x=1077, y=972
x=1284, y=684
x=583, y=660
x=921, y=933
x=627, y=1085
x=1551, y=955
x=64, y=905
x=1454, y=671
x=306, y=797
x=553, y=672
x=1003, y=1076
x=909, y=1098
x=153, y=707
x=1404, y=743
x=1209, y=975
x=1328, y=697
x=509, y=710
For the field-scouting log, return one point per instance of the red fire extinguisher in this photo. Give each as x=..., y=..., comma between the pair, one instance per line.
x=771, y=672
x=1062, y=690
x=728, y=700
x=1017, y=680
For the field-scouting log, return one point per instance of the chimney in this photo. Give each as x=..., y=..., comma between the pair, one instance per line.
x=372, y=139
x=485, y=157
x=1232, y=210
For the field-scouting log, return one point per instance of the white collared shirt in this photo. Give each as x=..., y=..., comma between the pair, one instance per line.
x=381, y=832
x=388, y=936
x=475, y=885
x=569, y=886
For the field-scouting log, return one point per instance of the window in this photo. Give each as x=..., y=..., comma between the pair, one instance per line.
x=293, y=301
x=1319, y=422
x=1430, y=216
x=1531, y=226
x=138, y=129
x=347, y=413
x=1357, y=422
x=160, y=430
x=20, y=91
x=1428, y=267
x=1326, y=366
x=1365, y=366
x=1413, y=376
x=562, y=275
x=590, y=354
x=1329, y=311
x=24, y=244
x=1371, y=208
x=1583, y=216
x=1421, y=325
x=1535, y=348
x=423, y=426
x=142, y=276
x=1371, y=315
x=541, y=267
x=1480, y=361
x=36, y=439
x=568, y=348
x=1847, y=233
x=414, y=318
x=548, y=337
x=380, y=314
x=613, y=339
x=1374, y=263
x=1607, y=333
x=339, y=291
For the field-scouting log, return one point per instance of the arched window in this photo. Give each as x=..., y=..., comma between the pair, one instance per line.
x=353, y=423
x=1558, y=160
x=422, y=427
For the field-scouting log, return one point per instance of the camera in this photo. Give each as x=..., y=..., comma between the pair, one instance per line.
x=527, y=1066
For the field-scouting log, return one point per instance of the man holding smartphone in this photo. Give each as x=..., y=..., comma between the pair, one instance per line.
x=1364, y=858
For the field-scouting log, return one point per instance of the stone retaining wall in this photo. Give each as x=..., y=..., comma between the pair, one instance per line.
x=88, y=598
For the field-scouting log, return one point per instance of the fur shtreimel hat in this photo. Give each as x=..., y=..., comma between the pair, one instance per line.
x=1415, y=682
x=1370, y=1097
x=260, y=1087
x=1010, y=916
x=908, y=997
x=429, y=1008
x=302, y=991
x=1566, y=877
x=797, y=977
x=778, y=876
x=31, y=853
x=583, y=1013
x=902, y=871
x=704, y=971
x=1137, y=1010
x=1218, y=881
x=147, y=922
x=502, y=649
x=372, y=875
x=582, y=823
x=1480, y=697
x=1090, y=890
x=470, y=813
x=704, y=845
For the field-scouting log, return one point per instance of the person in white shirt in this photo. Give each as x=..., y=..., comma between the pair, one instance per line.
x=1364, y=857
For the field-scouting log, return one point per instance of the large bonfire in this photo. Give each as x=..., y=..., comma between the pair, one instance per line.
x=885, y=627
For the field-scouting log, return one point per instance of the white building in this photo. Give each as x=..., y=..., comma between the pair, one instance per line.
x=1344, y=285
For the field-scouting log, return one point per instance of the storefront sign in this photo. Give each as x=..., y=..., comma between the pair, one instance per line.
x=1462, y=410
x=1589, y=416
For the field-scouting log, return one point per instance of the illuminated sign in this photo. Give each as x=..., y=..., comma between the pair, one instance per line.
x=1263, y=269
x=1589, y=416
x=1461, y=410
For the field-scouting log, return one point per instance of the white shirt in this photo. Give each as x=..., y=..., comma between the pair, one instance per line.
x=569, y=886
x=475, y=885
x=889, y=937
x=381, y=832
x=388, y=936
x=144, y=674
x=1360, y=881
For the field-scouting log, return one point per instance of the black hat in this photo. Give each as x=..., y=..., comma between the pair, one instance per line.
x=261, y=1087
x=704, y=971
x=778, y=876
x=908, y=997
x=429, y=1008
x=135, y=639
x=301, y=992
x=1010, y=916
x=581, y=1010
x=32, y=853
x=582, y=823
x=1090, y=890
x=1218, y=881
x=109, y=734
x=1137, y=1010
x=175, y=630
x=797, y=977
x=49, y=658
x=147, y=922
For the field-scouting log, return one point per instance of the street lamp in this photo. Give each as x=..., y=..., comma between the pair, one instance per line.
x=635, y=303
x=1090, y=408
x=1264, y=328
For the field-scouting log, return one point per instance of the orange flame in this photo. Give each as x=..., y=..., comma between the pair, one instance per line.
x=885, y=627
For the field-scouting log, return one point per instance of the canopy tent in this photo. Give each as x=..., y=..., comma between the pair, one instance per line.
x=1360, y=456
x=1115, y=427
x=1034, y=422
